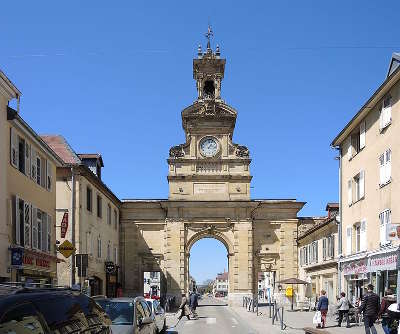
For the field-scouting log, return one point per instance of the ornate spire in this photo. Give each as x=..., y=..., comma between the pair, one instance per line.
x=208, y=35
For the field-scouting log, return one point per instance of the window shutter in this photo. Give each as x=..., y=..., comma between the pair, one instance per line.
x=27, y=224
x=27, y=159
x=33, y=164
x=382, y=228
x=332, y=247
x=362, y=183
x=349, y=240
x=349, y=192
x=388, y=111
x=324, y=248
x=34, y=228
x=349, y=149
x=382, y=169
x=363, y=235
x=44, y=232
x=49, y=229
x=49, y=177
x=388, y=165
x=14, y=155
x=362, y=135
x=17, y=221
x=43, y=173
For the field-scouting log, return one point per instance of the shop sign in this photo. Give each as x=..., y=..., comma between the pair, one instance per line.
x=35, y=261
x=64, y=225
x=110, y=267
x=17, y=256
x=383, y=262
x=66, y=249
x=355, y=267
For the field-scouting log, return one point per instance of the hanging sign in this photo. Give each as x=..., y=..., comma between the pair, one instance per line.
x=393, y=232
x=64, y=225
x=66, y=249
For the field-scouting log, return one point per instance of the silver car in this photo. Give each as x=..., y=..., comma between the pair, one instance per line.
x=158, y=313
x=129, y=315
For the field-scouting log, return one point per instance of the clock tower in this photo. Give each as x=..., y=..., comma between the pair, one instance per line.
x=209, y=165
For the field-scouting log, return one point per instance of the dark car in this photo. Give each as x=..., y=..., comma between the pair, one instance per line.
x=58, y=311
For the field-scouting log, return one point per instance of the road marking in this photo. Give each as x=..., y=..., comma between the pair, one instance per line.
x=234, y=321
x=189, y=322
x=211, y=321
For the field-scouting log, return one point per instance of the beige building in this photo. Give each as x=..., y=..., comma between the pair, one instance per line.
x=209, y=196
x=94, y=211
x=28, y=205
x=318, y=256
x=369, y=155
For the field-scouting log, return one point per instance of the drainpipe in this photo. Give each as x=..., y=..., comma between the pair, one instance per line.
x=340, y=231
x=73, y=225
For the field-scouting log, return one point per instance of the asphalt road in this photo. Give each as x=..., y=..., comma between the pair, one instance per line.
x=214, y=317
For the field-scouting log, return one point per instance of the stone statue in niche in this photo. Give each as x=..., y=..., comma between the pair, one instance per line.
x=242, y=151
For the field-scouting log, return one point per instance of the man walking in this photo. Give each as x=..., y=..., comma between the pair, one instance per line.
x=193, y=303
x=370, y=308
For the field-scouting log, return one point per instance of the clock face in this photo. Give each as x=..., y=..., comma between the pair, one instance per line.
x=209, y=147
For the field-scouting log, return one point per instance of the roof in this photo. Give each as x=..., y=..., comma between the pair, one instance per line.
x=394, y=63
x=390, y=81
x=316, y=227
x=12, y=115
x=60, y=146
x=91, y=156
x=8, y=86
x=223, y=276
x=332, y=206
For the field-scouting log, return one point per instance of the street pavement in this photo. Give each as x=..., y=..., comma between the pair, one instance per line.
x=214, y=317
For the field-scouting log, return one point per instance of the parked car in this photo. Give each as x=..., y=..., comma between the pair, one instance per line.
x=50, y=310
x=129, y=315
x=158, y=313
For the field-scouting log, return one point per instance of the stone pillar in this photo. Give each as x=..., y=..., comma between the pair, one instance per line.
x=242, y=263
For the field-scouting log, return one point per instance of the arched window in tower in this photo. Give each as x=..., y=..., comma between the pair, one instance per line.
x=209, y=88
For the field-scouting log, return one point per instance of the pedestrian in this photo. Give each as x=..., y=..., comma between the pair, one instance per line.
x=119, y=290
x=370, y=308
x=322, y=306
x=388, y=300
x=194, y=303
x=184, y=309
x=343, y=307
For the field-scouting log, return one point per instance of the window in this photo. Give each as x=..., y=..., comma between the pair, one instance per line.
x=34, y=228
x=331, y=247
x=108, y=214
x=349, y=240
x=49, y=222
x=385, y=167
x=21, y=155
x=99, y=247
x=38, y=170
x=109, y=251
x=355, y=142
x=358, y=237
x=89, y=199
x=49, y=176
x=99, y=206
x=115, y=219
x=14, y=148
x=349, y=192
x=363, y=235
x=359, y=185
x=324, y=248
x=385, y=117
x=39, y=228
x=385, y=218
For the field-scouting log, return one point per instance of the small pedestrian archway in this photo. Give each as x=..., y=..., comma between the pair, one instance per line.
x=223, y=237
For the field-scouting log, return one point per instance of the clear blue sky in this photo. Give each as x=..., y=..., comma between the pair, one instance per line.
x=113, y=77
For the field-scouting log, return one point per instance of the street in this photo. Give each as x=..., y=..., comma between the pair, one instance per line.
x=214, y=317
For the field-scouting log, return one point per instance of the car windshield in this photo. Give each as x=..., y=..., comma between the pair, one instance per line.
x=149, y=303
x=120, y=313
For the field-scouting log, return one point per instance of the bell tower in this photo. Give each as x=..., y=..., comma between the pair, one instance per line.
x=209, y=166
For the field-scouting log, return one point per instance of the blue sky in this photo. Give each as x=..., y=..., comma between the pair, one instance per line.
x=113, y=77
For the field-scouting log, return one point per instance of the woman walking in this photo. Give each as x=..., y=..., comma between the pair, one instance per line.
x=322, y=306
x=184, y=308
x=343, y=307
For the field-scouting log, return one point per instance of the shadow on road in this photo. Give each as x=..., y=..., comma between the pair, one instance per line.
x=204, y=305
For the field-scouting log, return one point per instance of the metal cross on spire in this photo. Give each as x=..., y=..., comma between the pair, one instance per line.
x=208, y=35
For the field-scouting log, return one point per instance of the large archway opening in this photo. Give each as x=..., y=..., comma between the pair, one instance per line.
x=209, y=267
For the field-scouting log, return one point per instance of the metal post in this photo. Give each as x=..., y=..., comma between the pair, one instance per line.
x=269, y=307
x=73, y=225
x=282, y=320
x=340, y=232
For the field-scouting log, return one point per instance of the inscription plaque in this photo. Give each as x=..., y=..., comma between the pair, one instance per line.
x=206, y=188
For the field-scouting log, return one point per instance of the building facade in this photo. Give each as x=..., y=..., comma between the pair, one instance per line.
x=221, y=285
x=29, y=247
x=318, y=256
x=369, y=159
x=209, y=196
x=94, y=211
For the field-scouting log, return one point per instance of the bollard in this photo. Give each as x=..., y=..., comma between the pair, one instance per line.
x=257, y=307
x=269, y=307
x=282, y=321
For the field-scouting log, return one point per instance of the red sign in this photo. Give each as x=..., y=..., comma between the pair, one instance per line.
x=36, y=261
x=64, y=225
x=355, y=268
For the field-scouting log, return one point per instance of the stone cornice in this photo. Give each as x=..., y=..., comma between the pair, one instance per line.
x=212, y=177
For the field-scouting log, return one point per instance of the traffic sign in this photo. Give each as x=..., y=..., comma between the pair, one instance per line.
x=66, y=249
x=64, y=225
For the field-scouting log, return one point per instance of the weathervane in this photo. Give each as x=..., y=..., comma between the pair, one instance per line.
x=208, y=35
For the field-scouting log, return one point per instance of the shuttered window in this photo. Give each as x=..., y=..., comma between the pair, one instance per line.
x=33, y=164
x=386, y=113
x=27, y=159
x=14, y=154
x=349, y=192
x=349, y=240
x=34, y=227
x=49, y=229
x=324, y=248
x=49, y=174
x=363, y=235
x=385, y=218
x=362, y=135
x=385, y=167
x=27, y=224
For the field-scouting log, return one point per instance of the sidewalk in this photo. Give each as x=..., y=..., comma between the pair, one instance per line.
x=295, y=322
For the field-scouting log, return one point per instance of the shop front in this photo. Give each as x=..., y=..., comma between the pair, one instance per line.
x=357, y=278
x=383, y=271
x=33, y=268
